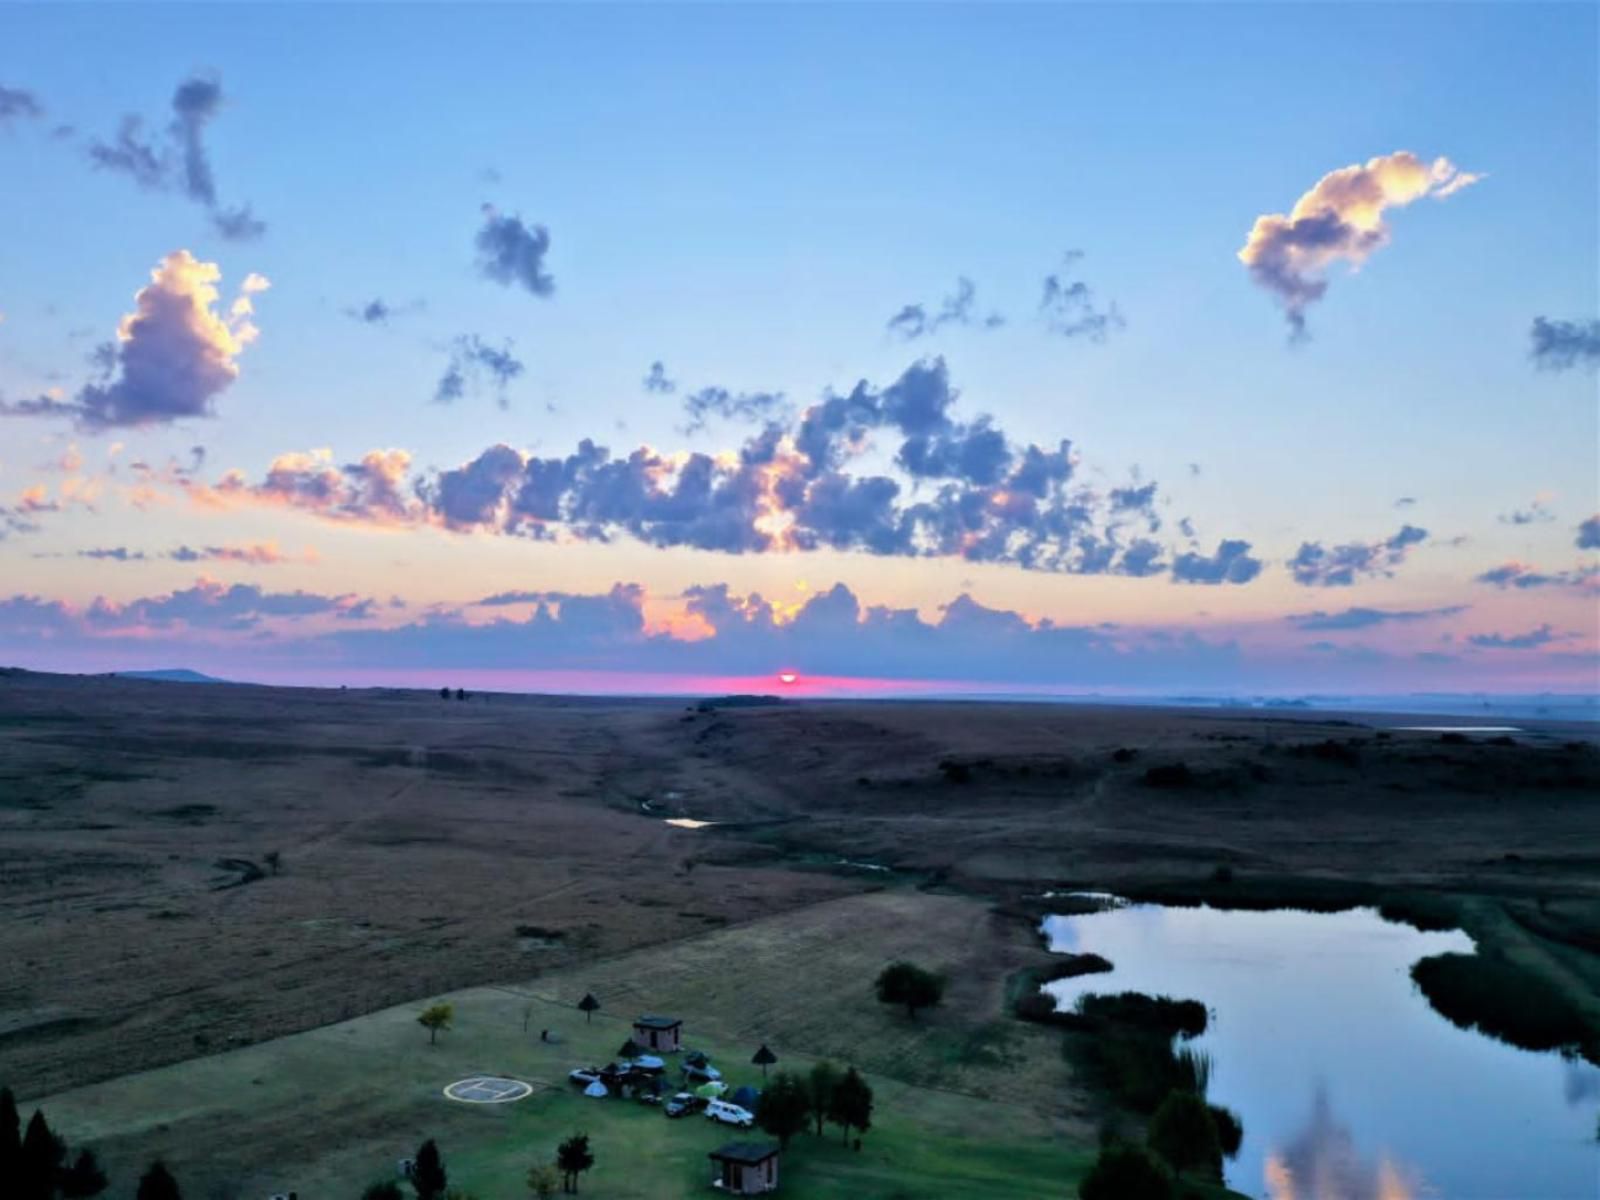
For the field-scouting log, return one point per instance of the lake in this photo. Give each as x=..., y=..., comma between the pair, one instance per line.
x=1349, y=1085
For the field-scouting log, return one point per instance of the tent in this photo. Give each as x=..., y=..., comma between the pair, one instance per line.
x=746, y=1097
x=710, y=1091
x=649, y=1062
x=597, y=1090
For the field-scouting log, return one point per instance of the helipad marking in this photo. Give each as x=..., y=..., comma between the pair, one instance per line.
x=488, y=1089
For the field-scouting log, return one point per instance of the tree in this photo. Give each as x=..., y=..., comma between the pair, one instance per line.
x=1183, y=1133
x=785, y=1107
x=1230, y=1130
x=820, y=1083
x=630, y=1049
x=428, y=1176
x=387, y=1190
x=763, y=1058
x=851, y=1106
x=461, y=694
x=908, y=984
x=84, y=1178
x=574, y=1158
x=444, y=693
x=39, y=1161
x=1124, y=1172
x=10, y=1134
x=543, y=1181
x=589, y=1005
x=158, y=1184
x=274, y=860
x=434, y=1018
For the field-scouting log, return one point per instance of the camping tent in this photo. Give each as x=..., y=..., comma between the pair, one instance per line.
x=596, y=1089
x=649, y=1062
x=710, y=1091
x=746, y=1097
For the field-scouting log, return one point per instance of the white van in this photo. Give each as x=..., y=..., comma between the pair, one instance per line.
x=730, y=1114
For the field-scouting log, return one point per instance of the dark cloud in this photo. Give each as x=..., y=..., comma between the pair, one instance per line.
x=17, y=102
x=180, y=160
x=657, y=381
x=701, y=406
x=174, y=354
x=207, y=606
x=1406, y=502
x=959, y=308
x=1562, y=345
x=194, y=104
x=1340, y=566
x=373, y=312
x=1532, y=640
x=1536, y=513
x=512, y=253
x=1231, y=563
x=1589, y=533
x=1523, y=577
x=1340, y=219
x=473, y=360
x=1069, y=308
x=1366, y=618
x=113, y=554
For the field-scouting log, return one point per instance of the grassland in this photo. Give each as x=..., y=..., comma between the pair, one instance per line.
x=966, y=1099
x=175, y=995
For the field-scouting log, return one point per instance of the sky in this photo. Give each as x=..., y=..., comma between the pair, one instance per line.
x=1135, y=349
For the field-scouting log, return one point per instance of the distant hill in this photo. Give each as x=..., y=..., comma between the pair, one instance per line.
x=171, y=675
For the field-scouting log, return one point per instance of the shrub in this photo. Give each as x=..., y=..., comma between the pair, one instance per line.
x=1169, y=775
x=1184, y=1135
x=1496, y=997
x=908, y=984
x=1125, y=1172
x=1230, y=1130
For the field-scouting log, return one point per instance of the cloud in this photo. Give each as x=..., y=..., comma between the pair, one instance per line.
x=474, y=360
x=259, y=554
x=17, y=102
x=1562, y=345
x=657, y=381
x=174, y=354
x=959, y=308
x=1532, y=640
x=1537, y=512
x=709, y=402
x=1589, y=533
x=1316, y=566
x=511, y=253
x=113, y=554
x=179, y=160
x=194, y=104
x=371, y=491
x=373, y=312
x=1523, y=576
x=1231, y=563
x=1366, y=618
x=207, y=606
x=1069, y=308
x=1341, y=218
x=949, y=488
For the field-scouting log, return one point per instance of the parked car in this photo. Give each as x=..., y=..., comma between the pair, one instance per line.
x=683, y=1104
x=583, y=1076
x=730, y=1114
x=701, y=1073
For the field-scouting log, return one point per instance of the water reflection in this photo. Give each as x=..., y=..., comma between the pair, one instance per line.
x=1322, y=1163
x=1301, y=999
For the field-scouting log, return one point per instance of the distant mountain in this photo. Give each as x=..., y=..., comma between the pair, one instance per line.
x=171, y=675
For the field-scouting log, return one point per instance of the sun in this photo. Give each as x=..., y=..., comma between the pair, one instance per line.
x=788, y=677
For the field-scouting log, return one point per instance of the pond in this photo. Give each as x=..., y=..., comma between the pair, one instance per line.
x=1349, y=1085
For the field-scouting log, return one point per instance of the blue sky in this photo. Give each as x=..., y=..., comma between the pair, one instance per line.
x=748, y=195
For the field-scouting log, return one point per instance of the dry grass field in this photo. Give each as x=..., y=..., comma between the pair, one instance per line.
x=427, y=847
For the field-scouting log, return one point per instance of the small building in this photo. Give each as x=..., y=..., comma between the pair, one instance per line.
x=745, y=1168
x=663, y=1034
